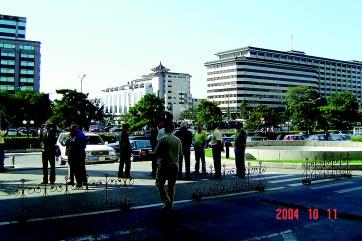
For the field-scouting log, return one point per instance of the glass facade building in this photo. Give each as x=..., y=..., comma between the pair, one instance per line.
x=19, y=58
x=262, y=76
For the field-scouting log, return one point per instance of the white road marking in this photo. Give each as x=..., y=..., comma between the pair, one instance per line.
x=275, y=188
x=331, y=185
x=289, y=236
x=287, y=180
x=349, y=189
x=285, y=175
x=285, y=234
x=296, y=184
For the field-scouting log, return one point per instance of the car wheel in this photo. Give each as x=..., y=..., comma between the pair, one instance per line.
x=132, y=158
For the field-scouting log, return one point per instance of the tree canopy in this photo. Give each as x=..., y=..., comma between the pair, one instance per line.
x=208, y=113
x=147, y=111
x=24, y=105
x=74, y=107
x=341, y=110
x=303, y=107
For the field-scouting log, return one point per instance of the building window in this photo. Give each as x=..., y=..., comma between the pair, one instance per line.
x=26, y=63
x=6, y=70
x=8, y=62
x=26, y=47
x=26, y=71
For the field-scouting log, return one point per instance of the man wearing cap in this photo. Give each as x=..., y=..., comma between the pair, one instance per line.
x=124, y=153
x=48, y=137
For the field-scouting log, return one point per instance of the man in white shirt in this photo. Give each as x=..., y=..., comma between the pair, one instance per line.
x=216, y=145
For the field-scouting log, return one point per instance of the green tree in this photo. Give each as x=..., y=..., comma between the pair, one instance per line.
x=244, y=109
x=187, y=114
x=262, y=116
x=74, y=107
x=341, y=110
x=24, y=105
x=148, y=111
x=303, y=107
x=208, y=113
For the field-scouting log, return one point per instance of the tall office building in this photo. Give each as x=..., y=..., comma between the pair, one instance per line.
x=174, y=87
x=19, y=58
x=262, y=76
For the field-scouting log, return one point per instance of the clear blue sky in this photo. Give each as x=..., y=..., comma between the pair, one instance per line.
x=115, y=41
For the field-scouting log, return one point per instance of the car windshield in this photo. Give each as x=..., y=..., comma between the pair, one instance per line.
x=142, y=144
x=94, y=140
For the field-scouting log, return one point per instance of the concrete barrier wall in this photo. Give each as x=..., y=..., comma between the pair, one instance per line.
x=301, y=150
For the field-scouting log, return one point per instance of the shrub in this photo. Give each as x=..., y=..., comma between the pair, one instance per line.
x=20, y=142
x=357, y=138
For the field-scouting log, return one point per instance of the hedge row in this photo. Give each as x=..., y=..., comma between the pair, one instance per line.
x=20, y=142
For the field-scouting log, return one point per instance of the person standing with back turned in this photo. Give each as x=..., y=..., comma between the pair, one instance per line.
x=239, y=149
x=186, y=139
x=124, y=153
x=168, y=152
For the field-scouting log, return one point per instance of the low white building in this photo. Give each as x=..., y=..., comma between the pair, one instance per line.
x=174, y=87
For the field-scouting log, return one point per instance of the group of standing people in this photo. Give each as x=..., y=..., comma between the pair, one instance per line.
x=75, y=150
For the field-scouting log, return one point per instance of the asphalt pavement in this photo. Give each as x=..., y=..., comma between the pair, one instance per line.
x=287, y=210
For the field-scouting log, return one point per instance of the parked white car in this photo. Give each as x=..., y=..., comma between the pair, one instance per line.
x=96, y=150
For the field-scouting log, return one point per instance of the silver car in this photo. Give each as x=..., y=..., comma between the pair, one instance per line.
x=96, y=150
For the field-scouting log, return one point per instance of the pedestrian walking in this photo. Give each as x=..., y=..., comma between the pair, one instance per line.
x=2, y=150
x=124, y=153
x=239, y=150
x=186, y=139
x=216, y=145
x=76, y=156
x=168, y=152
x=200, y=139
x=48, y=138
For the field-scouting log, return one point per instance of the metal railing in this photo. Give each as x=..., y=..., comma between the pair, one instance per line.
x=30, y=201
x=230, y=183
x=326, y=168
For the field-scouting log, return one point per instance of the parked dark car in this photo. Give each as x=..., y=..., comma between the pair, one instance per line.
x=141, y=148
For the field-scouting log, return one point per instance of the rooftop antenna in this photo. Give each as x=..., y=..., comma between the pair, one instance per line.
x=292, y=40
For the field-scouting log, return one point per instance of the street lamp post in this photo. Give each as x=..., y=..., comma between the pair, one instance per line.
x=81, y=82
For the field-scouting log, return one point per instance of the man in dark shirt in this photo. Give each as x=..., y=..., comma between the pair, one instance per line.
x=186, y=138
x=77, y=154
x=48, y=137
x=124, y=152
x=239, y=149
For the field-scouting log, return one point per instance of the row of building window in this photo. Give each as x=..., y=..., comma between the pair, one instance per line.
x=308, y=60
x=11, y=30
x=7, y=79
x=7, y=62
x=13, y=23
x=12, y=46
x=260, y=77
x=26, y=80
x=7, y=54
x=7, y=46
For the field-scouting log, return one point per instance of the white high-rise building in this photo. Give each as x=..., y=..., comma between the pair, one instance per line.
x=262, y=76
x=174, y=87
